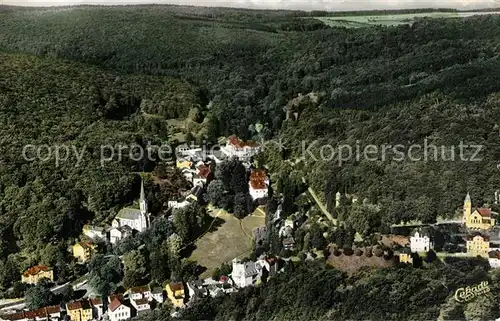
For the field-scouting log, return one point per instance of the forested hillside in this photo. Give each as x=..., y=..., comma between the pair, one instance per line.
x=91, y=75
x=56, y=103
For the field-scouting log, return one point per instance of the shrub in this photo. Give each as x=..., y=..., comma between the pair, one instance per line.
x=358, y=252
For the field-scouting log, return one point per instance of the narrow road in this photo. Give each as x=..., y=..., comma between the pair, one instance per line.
x=318, y=202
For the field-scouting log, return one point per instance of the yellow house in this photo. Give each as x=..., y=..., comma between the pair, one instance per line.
x=175, y=292
x=478, y=246
x=79, y=310
x=82, y=251
x=182, y=163
x=34, y=274
x=479, y=219
x=405, y=256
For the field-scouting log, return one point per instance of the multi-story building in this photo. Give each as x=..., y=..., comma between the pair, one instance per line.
x=478, y=245
x=83, y=251
x=421, y=240
x=258, y=185
x=79, y=310
x=244, y=151
x=34, y=274
x=175, y=293
x=117, y=310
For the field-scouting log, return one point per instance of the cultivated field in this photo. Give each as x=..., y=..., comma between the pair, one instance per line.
x=231, y=239
x=391, y=19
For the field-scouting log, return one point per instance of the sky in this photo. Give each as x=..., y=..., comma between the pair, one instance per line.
x=330, y=5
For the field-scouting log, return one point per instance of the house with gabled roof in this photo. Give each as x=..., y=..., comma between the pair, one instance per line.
x=83, y=251
x=243, y=150
x=478, y=245
x=80, y=310
x=175, y=293
x=34, y=274
x=117, y=310
x=117, y=234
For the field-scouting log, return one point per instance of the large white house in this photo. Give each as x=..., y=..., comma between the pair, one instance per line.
x=118, y=311
x=421, y=241
x=235, y=147
x=137, y=219
x=248, y=273
x=258, y=185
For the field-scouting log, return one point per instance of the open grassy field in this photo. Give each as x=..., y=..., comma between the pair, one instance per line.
x=233, y=238
x=391, y=19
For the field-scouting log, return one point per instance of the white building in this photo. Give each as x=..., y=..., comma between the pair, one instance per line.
x=137, y=219
x=494, y=259
x=258, y=185
x=244, y=151
x=117, y=234
x=97, y=308
x=118, y=311
x=248, y=273
x=94, y=232
x=178, y=204
x=140, y=292
x=157, y=294
x=421, y=241
x=141, y=305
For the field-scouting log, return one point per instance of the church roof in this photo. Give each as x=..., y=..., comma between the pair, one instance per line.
x=129, y=213
x=484, y=212
x=467, y=198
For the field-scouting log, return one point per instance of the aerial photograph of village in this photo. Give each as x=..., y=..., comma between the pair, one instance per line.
x=249, y=160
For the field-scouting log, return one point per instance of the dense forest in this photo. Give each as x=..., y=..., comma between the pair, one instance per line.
x=91, y=76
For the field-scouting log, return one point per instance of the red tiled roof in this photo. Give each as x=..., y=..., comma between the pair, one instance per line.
x=484, y=212
x=114, y=304
x=236, y=142
x=36, y=269
x=204, y=171
x=176, y=286
x=258, y=179
x=53, y=309
x=81, y=304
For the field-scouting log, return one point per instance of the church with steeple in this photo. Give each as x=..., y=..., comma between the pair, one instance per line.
x=137, y=219
x=479, y=218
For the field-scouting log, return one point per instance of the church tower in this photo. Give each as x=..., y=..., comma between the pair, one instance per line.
x=467, y=208
x=143, y=205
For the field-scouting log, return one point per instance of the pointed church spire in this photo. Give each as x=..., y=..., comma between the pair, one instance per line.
x=143, y=196
x=467, y=198
x=142, y=200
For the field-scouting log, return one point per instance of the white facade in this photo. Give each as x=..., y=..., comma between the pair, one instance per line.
x=158, y=296
x=176, y=205
x=94, y=232
x=420, y=243
x=257, y=192
x=494, y=263
x=140, y=305
x=236, y=148
x=116, y=234
x=122, y=312
x=246, y=274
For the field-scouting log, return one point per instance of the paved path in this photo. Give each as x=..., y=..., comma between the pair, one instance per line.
x=318, y=202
